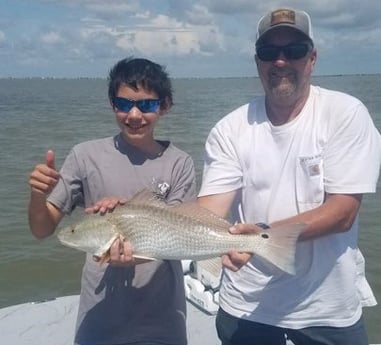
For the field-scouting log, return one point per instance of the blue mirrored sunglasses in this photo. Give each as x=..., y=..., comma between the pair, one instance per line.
x=144, y=105
x=292, y=51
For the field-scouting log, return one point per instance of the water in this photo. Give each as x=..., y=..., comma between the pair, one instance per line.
x=41, y=114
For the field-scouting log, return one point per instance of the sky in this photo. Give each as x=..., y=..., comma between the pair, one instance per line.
x=192, y=38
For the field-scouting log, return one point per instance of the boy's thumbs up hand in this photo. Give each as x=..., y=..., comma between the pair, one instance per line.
x=44, y=177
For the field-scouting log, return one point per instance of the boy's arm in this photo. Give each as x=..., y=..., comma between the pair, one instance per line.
x=43, y=216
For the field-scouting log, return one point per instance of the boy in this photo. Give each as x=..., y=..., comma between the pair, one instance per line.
x=122, y=302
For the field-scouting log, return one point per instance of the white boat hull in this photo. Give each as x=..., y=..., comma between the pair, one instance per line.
x=53, y=322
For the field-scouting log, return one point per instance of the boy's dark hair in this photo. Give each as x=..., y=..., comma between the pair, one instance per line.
x=140, y=72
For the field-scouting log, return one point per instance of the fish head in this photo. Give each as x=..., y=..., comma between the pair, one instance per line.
x=94, y=234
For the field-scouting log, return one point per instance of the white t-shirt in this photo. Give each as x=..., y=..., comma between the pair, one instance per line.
x=331, y=146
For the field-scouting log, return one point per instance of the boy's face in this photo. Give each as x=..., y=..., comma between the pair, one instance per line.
x=137, y=125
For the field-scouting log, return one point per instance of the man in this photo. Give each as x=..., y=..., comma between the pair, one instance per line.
x=300, y=153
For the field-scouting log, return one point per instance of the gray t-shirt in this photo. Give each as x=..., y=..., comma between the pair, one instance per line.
x=127, y=305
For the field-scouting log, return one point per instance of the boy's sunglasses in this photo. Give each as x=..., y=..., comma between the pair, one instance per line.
x=292, y=51
x=144, y=105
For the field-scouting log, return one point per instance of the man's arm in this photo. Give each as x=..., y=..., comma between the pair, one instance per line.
x=336, y=214
x=219, y=204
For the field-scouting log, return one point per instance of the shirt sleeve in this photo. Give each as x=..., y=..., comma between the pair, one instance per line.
x=68, y=192
x=222, y=168
x=184, y=182
x=352, y=155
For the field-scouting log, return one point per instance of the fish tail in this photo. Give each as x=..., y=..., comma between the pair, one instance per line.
x=279, y=245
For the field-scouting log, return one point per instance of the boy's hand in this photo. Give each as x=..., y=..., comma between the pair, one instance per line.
x=105, y=205
x=44, y=177
x=121, y=250
x=121, y=255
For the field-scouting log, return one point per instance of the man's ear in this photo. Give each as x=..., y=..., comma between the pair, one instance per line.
x=256, y=59
x=313, y=58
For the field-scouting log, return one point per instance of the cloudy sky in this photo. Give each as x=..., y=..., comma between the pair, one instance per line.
x=193, y=38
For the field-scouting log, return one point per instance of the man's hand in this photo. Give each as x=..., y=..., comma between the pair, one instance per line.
x=234, y=260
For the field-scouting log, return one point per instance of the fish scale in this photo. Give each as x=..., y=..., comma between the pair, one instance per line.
x=166, y=234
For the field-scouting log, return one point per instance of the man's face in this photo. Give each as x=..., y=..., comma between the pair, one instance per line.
x=286, y=79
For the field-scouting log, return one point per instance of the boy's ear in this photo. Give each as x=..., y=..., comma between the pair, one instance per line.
x=164, y=106
x=112, y=105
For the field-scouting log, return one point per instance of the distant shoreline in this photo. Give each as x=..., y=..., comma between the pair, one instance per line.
x=186, y=78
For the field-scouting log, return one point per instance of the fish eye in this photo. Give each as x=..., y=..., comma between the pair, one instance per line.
x=265, y=236
x=72, y=230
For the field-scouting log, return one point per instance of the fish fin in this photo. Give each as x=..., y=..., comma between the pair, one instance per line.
x=212, y=265
x=194, y=210
x=104, y=258
x=188, y=209
x=144, y=257
x=146, y=197
x=280, y=245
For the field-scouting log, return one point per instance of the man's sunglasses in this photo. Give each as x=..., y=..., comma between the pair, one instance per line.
x=292, y=51
x=144, y=105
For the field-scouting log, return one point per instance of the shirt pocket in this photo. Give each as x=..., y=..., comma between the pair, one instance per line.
x=309, y=182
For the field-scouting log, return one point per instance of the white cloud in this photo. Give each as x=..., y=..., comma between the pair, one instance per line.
x=159, y=35
x=199, y=15
x=52, y=38
x=197, y=35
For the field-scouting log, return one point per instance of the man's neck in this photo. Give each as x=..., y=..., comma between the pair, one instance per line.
x=283, y=110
